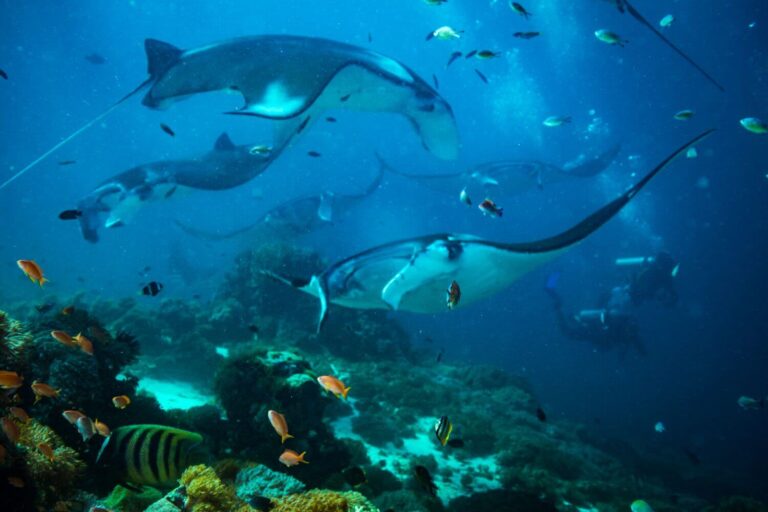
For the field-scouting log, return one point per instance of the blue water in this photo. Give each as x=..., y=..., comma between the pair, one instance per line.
x=702, y=355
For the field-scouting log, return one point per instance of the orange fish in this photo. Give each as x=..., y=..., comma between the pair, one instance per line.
x=11, y=429
x=41, y=389
x=47, y=450
x=85, y=344
x=64, y=338
x=280, y=425
x=10, y=380
x=32, y=270
x=68, y=310
x=121, y=402
x=101, y=428
x=334, y=385
x=16, y=481
x=72, y=416
x=291, y=458
x=20, y=414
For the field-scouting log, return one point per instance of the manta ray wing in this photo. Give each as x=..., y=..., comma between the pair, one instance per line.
x=393, y=273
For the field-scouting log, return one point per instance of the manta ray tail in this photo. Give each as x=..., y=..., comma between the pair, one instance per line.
x=639, y=17
x=159, y=56
x=589, y=225
x=314, y=286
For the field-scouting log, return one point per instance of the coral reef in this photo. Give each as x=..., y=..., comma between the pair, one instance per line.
x=249, y=384
x=53, y=479
x=127, y=500
x=206, y=493
x=324, y=501
x=262, y=481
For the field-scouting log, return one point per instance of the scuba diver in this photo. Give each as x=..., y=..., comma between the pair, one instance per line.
x=613, y=323
x=654, y=281
x=611, y=326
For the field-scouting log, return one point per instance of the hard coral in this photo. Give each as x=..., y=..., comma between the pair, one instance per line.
x=318, y=500
x=54, y=479
x=206, y=493
x=15, y=341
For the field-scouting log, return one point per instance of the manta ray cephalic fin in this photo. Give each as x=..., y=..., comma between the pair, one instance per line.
x=422, y=268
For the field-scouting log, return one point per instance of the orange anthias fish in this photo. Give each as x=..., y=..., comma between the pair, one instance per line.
x=291, y=458
x=41, y=389
x=20, y=414
x=72, y=416
x=47, y=450
x=10, y=429
x=453, y=295
x=334, y=385
x=101, y=428
x=85, y=344
x=32, y=270
x=10, y=380
x=280, y=425
x=63, y=338
x=121, y=402
x=68, y=310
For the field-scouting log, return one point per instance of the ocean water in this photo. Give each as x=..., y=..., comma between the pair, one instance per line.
x=708, y=212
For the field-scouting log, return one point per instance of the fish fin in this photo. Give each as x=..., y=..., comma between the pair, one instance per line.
x=345, y=392
x=317, y=285
x=422, y=268
x=301, y=458
x=160, y=56
x=224, y=143
x=42, y=281
x=591, y=223
x=285, y=437
x=325, y=210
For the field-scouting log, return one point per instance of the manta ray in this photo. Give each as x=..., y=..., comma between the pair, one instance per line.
x=511, y=177
x=296, y=217
x=120, y=197
x=292, y=79
x=413, y=274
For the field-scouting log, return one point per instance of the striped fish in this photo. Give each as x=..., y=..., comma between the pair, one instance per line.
x=149, y=454
x=443, y=429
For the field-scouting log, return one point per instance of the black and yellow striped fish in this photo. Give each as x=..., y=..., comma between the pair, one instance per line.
x=149, y=454
x=443, y=429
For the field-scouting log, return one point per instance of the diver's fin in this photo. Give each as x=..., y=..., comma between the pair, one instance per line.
x=224, y=143
x=161, y=56
x=639, y=17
